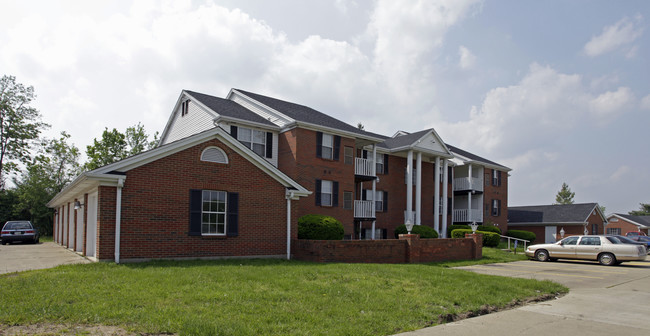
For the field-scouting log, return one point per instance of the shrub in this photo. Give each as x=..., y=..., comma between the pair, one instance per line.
x=451, y=228
x=423, y=230
x=522, y=234
x=486, y=228
x=319, y=227
x=490, y=239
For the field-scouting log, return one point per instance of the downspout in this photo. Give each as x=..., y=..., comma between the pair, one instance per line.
x=118, y=216
x=289, y=196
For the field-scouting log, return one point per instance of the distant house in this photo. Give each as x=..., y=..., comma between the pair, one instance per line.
x=621, y=224
x=547, y=221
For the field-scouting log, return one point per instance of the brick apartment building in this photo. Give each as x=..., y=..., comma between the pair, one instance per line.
x=231, y=176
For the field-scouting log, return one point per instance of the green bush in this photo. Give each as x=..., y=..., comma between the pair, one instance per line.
x=490, y=239
x=423, y=230
x=319, y=227
x=487, y=228
x=522, y=234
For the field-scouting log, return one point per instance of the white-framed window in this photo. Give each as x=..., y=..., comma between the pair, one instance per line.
x=495, y=207
x=614, y=220
x=214, y=154
x=380, y=164
x=326, y=193
x=614, y=231
x=185, y=108
x=213, y=212
x=348, y=155
x=253, y=139
x=379, y=199
x=328, y=146
x=496, y=180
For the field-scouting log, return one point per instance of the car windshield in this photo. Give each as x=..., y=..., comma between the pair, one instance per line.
x=18, y=226
x=625, y=240
x=614, y=240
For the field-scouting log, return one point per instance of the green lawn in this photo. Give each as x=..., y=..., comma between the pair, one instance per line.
x=245, y=297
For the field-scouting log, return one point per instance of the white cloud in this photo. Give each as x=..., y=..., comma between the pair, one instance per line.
x=610, y=104
x=344, y=6
x=467, y=59
x=645, y=102
x=620, y=34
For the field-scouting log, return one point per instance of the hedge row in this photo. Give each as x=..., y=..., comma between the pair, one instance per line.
x=521, y=234
x=423, y=230
x=484, y=228
x=319, y=227
x=490, y=239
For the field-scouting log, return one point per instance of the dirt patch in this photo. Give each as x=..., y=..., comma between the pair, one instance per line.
x=46, y=329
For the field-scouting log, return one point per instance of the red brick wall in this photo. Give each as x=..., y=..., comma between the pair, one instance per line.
x=155, y=209
x=491, y=192
x=596, y=219
x=625, y=226
x=386, y=251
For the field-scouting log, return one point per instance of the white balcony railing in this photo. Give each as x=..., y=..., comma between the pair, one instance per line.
x=364, y=209
x=468, y=183
x=363, y=167
x=468, y=215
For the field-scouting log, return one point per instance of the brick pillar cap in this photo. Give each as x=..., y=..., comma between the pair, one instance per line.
x=409, y=236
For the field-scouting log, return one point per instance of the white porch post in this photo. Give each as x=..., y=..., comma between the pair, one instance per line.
x=409, y=185
x=374, y=189
x=445, y=186
x=418, y=190
x=118, y=219
x=436, y=195
x=288, y=196
x=469, y=197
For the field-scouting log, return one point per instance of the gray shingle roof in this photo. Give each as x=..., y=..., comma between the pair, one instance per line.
x=558, y=213
x=643, y=220
x=305, y=114
x=473, y=157
x=404, y=140
x=228, y=108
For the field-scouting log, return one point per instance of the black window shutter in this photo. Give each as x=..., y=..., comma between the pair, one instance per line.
x=385, y=201
x=364, y=154
x=384, y=234
x=337, y=147
x=449, y=173
x=318, y=191
x=335, y=193
x=196, y=202
x=319, y=144
x=449, y=206
x=499, y=178
x=498, y=207
x=385, y=164
x=269, y=145
x=364, y=195
x=233, y=131
x=232, y=217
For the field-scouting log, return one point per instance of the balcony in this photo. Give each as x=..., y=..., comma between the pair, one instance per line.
x=468, y=184
x=363, y=169
x=467, y=215
x=364, y=210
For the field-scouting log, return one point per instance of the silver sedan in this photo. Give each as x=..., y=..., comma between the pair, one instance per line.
x=606, y=250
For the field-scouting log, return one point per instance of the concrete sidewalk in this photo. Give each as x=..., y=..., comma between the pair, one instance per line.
x=602, y=301
x=23, y=257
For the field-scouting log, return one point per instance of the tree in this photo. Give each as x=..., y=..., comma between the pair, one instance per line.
x=20, y=125
x=643, y=211
x=564, y=196
x=115, y=146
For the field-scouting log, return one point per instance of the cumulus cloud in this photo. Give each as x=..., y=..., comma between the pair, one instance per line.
x=622, y=33
x=466, y=58
x=645, y=102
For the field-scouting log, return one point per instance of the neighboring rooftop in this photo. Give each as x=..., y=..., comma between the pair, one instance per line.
x=228, y=108
x=556, y=213
x=473, y=157
x=643, y=220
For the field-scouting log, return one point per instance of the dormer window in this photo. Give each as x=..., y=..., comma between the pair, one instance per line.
x=260, y=142
x=185, y=108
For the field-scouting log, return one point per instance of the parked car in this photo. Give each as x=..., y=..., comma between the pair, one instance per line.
x=635, y=234
x=606, y=250
x=645, y=240
x=628, y=240
x=23, y=231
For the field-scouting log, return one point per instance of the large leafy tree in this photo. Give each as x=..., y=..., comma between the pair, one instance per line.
x=20, y=125
x=56, y=164
x=115, y=145
x=643, y=211
x=565, y=195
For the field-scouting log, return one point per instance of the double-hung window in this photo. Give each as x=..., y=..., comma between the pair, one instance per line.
x=380, y=164
x=328, y=146
x=496, y=177
x=253, y=139
x=326, y=193
x=348, y=155
x=380, y=199
x=213, y=212
x=496, y=205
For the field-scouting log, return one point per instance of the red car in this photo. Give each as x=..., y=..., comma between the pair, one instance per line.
x=635, y=234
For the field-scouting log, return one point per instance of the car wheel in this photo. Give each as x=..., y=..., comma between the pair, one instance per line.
x=607, y=259
x=541, y=255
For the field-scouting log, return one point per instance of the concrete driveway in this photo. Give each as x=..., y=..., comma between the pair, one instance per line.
x=602, y=301
x=22, y=257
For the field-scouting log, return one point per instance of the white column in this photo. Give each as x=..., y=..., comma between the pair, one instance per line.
x=374, y=189
x=469, y=196
x=409, y=185
x=418, y=190
x=288, y=196
x=445, y=186
x=118, y=219
x=436, y=195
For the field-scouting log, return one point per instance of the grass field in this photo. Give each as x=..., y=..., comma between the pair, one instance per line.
x=267, y=297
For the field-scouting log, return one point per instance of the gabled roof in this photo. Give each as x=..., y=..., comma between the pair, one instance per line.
x=641, y=221
x=467, y=156
x=228, y=108
x=403, y=139
x=305, y=114
x=552, y=214
x=114, y=173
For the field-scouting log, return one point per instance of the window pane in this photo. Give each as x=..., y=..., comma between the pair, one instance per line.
x=349, y=155
x=221, y=218
x=206, y=195
x=259, y=137
x=221, y=207
x=327, y=140
x=327, y=153
x=206, y=218
x=221, y=228
x=244, y=134
x=260, y=149
x=326, y=199
x=205, y=228
x=246, y=143
x=326, y=187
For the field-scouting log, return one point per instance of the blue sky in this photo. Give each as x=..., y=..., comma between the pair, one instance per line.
x=556, y=90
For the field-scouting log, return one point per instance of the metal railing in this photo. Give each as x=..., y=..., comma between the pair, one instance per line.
x=364, y=209
x=363, y=167
x=468, y=215
x=515, y=239
x=468, y=183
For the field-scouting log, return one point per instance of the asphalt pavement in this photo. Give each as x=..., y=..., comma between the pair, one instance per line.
x=20, y=257
x=602, y=301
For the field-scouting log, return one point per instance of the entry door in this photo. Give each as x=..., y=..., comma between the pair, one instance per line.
x=91, y=231
x=80, y=230
x=550, y=234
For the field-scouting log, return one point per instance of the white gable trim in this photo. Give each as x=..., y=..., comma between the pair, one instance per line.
x=597, y=209
x=260, y=109
x=165, y=133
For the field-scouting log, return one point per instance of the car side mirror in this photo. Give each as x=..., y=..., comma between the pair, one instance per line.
x=560, y=243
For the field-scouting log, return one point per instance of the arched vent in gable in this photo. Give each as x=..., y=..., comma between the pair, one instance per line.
x=214, y=154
